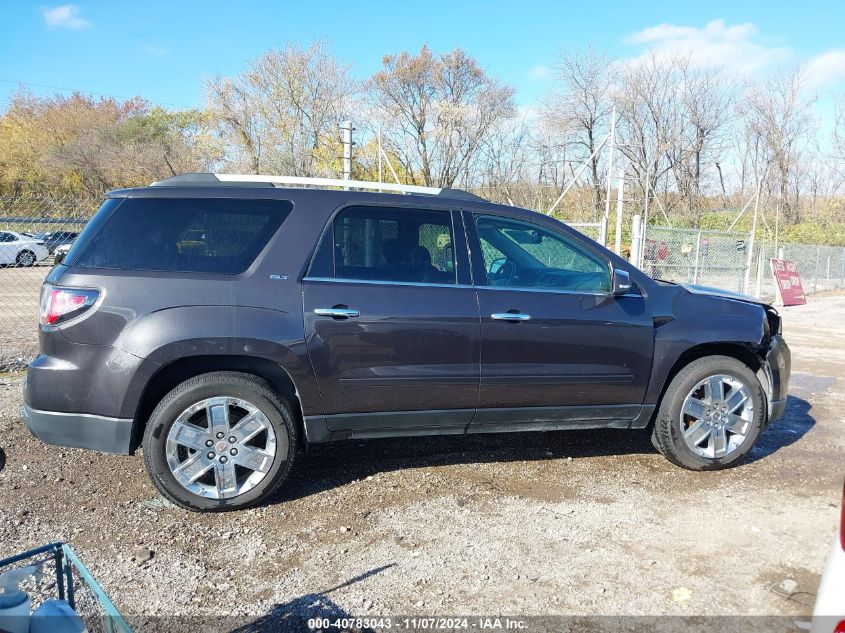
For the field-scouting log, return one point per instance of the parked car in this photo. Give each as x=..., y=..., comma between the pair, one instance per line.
x=829, y=612
x=222, y=323
x=60, y=253
x=17, y=249
x=55, y=239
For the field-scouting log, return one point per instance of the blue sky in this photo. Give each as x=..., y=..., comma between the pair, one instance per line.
x=164, y=50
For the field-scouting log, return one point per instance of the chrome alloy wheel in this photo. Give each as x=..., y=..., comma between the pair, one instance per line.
x=716, y=416
x=26, y=259
x=220, y=447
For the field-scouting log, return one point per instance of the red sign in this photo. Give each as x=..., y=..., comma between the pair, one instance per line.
x=788, y=281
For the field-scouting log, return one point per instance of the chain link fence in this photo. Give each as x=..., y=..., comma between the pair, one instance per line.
x=32, y=229
x=721, y=259
x=593, y=230
x=821, y=267
x=709, y=258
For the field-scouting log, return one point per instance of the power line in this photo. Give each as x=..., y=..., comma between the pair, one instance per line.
x=98, y=94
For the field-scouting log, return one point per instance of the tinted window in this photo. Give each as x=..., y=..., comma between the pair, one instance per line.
x=523, y=255
x=209, y=235
x=388, y=244
x=6, y=237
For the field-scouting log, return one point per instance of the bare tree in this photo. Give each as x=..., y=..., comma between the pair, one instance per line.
x=579, y=108
x=708, y=98
x=437, y=111
x=651, y=118
x=283, y=113
x=232, y=105
x=778, y=124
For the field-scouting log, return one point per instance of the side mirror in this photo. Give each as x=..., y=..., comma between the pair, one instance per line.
x=621, y=282
x=58, y=258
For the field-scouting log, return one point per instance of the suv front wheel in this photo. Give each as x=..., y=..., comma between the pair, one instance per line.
x=220, y=441
x=711, y=414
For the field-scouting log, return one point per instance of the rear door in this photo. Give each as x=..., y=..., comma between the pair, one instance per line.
x=392, y=323
x=557, y=346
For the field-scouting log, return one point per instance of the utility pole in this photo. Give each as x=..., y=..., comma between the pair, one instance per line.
x=639, y=261
x=609, y=170
x=620, y=193
x=380, y=169
x=636, y=239
x=347, y=129
x=750, y=245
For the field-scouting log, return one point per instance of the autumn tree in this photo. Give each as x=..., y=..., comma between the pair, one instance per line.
x=436, y=111
x=85, y=146
x=282, y=114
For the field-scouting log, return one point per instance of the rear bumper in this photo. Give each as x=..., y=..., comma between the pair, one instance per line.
x=79, y=430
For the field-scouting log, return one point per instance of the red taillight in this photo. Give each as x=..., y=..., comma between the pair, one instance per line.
x=840, y=628
x=62, y=304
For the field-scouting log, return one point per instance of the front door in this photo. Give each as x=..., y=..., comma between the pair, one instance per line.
x=557, y=346
x=392, y=334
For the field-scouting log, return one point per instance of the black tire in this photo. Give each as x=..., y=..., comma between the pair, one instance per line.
x=26, y=259
x=667, y=434
x=233, y=385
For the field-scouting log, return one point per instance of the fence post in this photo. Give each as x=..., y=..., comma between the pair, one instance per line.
x=697, y=257
x=749, y=245
x=816, y=275
x=636, y=239
x=603, y=232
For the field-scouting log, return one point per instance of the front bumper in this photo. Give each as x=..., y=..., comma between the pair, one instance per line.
x=79, y=430
x=779, y=367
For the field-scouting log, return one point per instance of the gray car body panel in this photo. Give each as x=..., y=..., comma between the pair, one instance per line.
x=101, y=365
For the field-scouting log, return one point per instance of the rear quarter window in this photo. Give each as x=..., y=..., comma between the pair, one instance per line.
x=205, y=235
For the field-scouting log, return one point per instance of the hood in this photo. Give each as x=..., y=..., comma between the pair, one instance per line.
x=724, y=294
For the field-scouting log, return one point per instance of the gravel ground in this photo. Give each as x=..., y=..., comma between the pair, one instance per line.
x=19, y=313
x=589, y=523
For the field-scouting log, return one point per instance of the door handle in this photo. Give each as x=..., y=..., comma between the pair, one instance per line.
x=337, y=313
x=510, y=316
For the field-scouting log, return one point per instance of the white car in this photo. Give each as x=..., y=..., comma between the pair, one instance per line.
x=829, y=612
x=19, y=250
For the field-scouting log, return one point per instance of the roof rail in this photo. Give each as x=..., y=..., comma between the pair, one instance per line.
x=204, y=180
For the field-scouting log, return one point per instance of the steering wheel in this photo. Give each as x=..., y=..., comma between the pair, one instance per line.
x=503, y=275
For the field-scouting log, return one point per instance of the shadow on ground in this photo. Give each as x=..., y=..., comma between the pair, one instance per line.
x=332, y=465
x=294, y=615
x=794, y=424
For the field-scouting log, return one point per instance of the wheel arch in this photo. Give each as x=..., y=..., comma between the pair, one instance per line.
x=748, y=354
x=179, y=370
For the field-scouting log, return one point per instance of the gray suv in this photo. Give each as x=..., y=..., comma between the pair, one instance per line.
x=224, y=322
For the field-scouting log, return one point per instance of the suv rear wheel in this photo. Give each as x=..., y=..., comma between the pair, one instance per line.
x=220, y=441
x=711, y=414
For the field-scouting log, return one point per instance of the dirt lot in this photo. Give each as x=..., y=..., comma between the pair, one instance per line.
x=553, y=523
